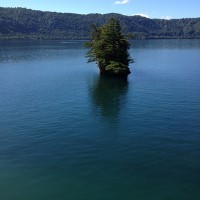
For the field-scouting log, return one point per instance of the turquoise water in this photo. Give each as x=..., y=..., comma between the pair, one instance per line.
x=66, y=133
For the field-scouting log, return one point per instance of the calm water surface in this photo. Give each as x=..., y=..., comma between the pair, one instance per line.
x=66, y=133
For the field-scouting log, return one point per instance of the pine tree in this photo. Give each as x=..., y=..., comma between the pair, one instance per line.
x=109, y=49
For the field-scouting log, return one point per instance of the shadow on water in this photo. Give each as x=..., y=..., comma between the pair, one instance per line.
x=108, y=95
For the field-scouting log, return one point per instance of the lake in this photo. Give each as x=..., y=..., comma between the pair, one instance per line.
x=66, y=133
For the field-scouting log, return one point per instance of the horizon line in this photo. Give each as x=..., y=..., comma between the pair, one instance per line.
x=133, y=15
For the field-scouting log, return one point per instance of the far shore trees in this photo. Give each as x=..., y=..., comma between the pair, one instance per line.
x=109, y=49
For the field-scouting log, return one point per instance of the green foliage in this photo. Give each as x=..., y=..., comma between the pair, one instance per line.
x=197, y=27
x=109, y=49
x=21, y=23
x=117, y=68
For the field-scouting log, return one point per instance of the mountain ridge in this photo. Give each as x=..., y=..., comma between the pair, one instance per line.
x=22, y=23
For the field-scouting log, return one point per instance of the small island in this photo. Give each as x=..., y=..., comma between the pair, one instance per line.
x=109, y=47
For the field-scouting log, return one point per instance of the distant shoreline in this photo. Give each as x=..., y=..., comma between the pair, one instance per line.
x=84, y=39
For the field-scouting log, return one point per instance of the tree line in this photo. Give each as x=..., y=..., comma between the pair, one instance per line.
x=22, y=23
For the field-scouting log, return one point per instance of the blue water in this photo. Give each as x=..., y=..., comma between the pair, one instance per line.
x=66, y=133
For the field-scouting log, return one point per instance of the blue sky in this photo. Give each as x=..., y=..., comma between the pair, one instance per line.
x=151, y=8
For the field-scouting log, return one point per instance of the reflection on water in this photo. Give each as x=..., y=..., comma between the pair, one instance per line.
x=108, y=94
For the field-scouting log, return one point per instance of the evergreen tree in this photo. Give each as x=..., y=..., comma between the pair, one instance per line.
x=109, y=49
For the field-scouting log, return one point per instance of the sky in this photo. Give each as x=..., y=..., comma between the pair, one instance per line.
x=165, y=9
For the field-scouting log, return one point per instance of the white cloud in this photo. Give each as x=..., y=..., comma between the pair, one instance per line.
x=142, y=15
x=122, y=2
x=166, y=17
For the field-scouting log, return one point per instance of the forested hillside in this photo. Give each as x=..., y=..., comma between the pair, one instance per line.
x=21, y=23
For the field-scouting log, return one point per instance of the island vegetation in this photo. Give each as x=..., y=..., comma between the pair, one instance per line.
x=21, y=23
x=109, y=49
